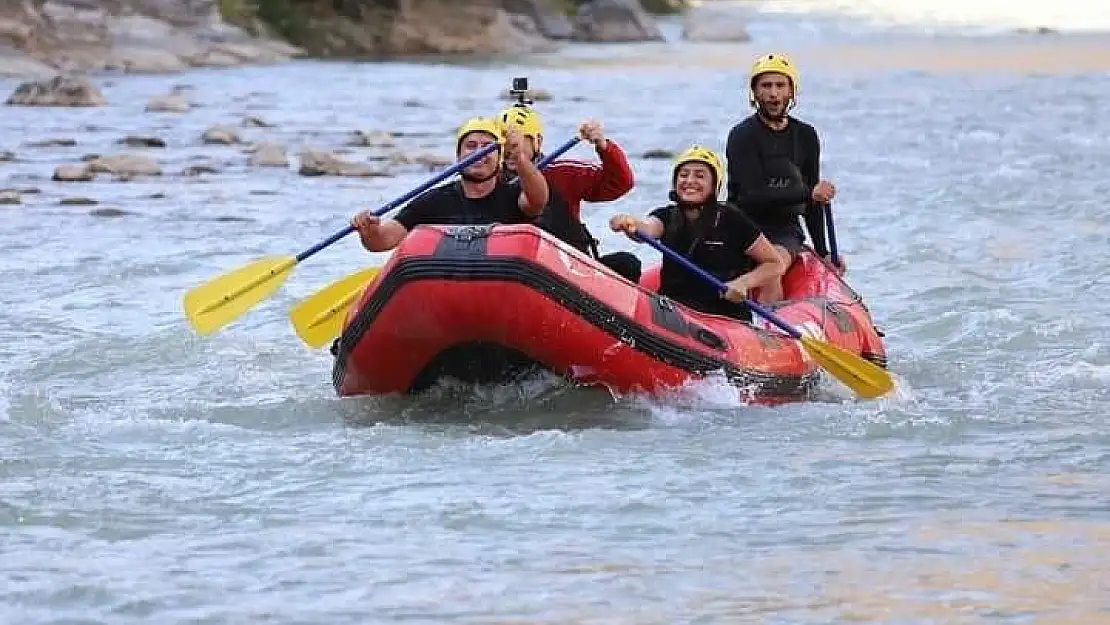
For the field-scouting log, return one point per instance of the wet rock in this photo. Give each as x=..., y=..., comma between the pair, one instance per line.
x=125, y=166
x=78, y=201
x=372, y=139
x=715, y=23
x=267, y=154
x=139, y=141
x=132, y=36
x=426, y=158
x=197, y=170
x=220, y=135
x=7, y=157
x=657, y=154
x=109, y=212
x=615, y=20
x=57, y=91
x=52, y=143
x=317, y=163
x=30, y=190
x=73, y=173
x=536, y=95
x=250, y=121
x=444, y=27
x=174, y=102
x=157, y=196
x=10, y=197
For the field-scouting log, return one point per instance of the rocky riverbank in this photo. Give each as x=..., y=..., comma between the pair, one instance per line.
x=43, y=38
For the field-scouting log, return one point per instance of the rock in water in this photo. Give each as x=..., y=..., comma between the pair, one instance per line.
x=58, y=91
x=268, y=154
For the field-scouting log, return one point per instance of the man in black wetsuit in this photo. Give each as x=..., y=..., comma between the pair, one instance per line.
x=774, y=166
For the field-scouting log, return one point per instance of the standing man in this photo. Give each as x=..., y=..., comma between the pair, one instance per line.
x=774, y=167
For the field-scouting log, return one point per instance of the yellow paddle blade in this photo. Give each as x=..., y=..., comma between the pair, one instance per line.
x=866, y=378
x=319, y=317
x=221, y=300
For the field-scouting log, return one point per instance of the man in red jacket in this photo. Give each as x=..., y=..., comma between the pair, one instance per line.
x=572, y=181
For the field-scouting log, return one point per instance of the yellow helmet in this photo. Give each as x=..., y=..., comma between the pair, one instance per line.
x=531, y=125
x=777, y=64
x=479, y=124
x=699, y=154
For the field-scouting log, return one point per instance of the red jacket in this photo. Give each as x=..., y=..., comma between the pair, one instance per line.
x=577, y=181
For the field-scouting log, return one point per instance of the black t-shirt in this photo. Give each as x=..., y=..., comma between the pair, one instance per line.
x=716, y=240
x=447, y=205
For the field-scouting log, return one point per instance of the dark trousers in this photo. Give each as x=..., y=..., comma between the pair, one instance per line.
x=624, y=263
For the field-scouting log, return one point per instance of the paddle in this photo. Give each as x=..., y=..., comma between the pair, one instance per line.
x=220, y=301
x=832, y=234
x=319, y=318
x=865, y=378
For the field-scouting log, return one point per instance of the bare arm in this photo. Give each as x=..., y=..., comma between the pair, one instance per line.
x=650, y=226
x=770, y=267
x=387, y=235
x=534, y=192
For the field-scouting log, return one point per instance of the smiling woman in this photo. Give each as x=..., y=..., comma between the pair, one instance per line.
x=711, y=234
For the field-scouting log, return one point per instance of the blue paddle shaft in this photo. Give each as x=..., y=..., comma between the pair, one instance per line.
x=440, y=177
x=559, y=151
x=721, y=286
x=832, y=233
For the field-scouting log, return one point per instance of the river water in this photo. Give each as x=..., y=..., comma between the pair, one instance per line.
x=148, y=475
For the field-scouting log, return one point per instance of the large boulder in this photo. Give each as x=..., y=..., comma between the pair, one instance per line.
x=708, y=22
x=128, y=35
x=446, y=27
x=614, y=21
x=548, y=19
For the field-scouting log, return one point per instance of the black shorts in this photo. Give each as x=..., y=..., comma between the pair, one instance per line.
x=790, y=238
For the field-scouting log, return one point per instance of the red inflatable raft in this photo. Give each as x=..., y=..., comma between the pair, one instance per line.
x=483, y=304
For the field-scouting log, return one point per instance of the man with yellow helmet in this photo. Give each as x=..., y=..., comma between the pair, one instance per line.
x=774, y=165
x=572, y=181
x=715, y=236
x=480, y=197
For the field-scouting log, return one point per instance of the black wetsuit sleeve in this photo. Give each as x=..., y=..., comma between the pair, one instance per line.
x=811, y=173
x=747, y=184
x=663, y=214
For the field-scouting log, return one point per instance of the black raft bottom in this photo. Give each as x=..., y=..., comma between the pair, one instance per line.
x=476, y=363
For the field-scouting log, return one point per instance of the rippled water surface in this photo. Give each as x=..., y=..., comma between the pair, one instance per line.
x=148, y=475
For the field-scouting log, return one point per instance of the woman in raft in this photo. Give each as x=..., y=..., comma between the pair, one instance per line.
x=714, y=236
